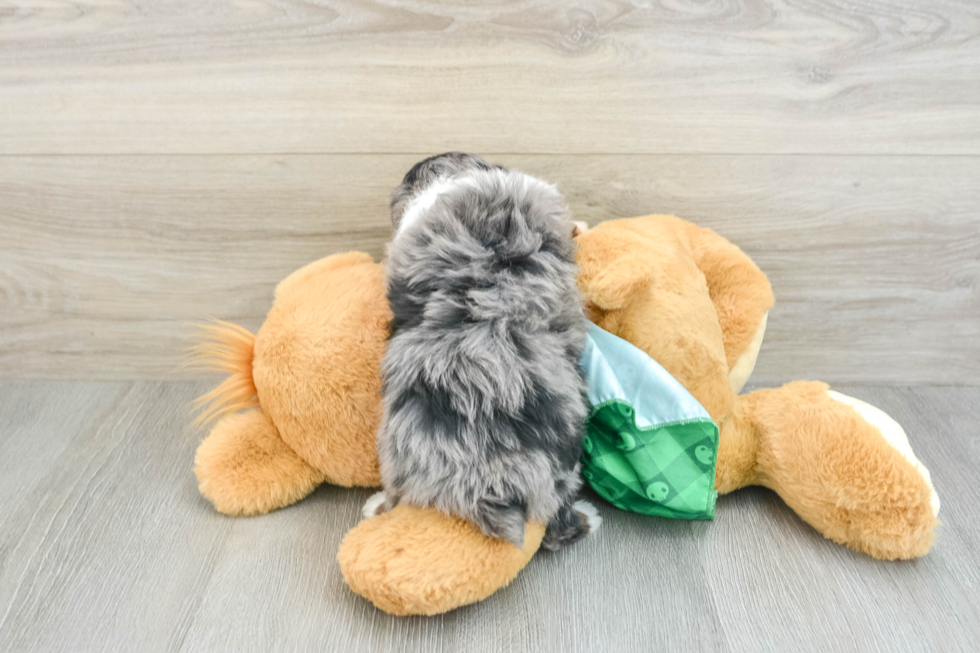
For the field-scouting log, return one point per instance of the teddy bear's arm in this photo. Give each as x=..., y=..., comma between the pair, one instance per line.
x=641, y=276
x=613, y=265
x=740, y=292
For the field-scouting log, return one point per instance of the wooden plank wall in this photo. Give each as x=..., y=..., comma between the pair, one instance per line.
x=163, y=161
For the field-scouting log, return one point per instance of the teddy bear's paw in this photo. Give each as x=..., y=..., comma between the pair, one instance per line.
x=590, y=516
x=413, y=560
x=244, y=468
x=740, y=372
x=844, y=466
x=894, y=435
x=375, y=505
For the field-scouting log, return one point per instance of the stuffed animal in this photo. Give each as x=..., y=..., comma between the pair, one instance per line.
x=302, y=401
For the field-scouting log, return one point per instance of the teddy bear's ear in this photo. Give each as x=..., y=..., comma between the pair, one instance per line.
x=613, y=265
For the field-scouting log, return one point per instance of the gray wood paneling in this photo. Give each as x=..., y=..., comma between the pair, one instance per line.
x=835, y=141
x=734, y=76
x=105, y=262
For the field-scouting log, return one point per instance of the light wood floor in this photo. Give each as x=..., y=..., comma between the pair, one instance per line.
x=105, y=545
x=162, y=161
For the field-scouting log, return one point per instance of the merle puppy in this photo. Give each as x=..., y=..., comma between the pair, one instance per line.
x=484, y=400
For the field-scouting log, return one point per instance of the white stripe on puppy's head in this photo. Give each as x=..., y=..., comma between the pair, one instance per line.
x=422, y=202
x=419, y=204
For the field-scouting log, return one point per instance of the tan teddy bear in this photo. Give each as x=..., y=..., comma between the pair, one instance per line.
x=302, y=403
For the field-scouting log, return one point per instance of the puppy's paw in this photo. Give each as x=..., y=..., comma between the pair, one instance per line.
x=376, y=504
x=590, y=516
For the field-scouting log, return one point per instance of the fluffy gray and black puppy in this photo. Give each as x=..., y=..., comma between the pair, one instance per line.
x=484, y=399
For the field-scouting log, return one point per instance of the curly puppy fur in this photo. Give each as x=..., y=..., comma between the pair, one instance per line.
x=484, y=400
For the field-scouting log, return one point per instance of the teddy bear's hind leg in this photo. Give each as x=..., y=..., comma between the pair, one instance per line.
x=894, y=434
x=830, y=459
x=244, y=468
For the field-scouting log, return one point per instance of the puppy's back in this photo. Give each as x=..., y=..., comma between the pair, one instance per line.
x=484, y=398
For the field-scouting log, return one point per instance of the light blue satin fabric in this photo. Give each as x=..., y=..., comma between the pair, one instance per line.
x=616, y=369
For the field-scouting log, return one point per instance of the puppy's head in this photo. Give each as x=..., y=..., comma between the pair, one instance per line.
x=477, y=190
x=427, y=175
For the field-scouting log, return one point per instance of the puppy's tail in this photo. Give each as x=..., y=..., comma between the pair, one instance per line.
x=224, y=347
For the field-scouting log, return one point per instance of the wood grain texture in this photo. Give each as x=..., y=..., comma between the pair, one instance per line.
x=106, y=545
x=105, y=262
x=669, y=76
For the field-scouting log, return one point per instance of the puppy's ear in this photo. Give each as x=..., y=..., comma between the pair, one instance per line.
x=613, y=265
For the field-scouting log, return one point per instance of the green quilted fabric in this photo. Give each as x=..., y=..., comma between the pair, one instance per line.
x=650, y=447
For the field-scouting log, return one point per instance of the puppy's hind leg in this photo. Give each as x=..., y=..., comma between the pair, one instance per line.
x=571, y=524
x=377, y=503
x=503, y=519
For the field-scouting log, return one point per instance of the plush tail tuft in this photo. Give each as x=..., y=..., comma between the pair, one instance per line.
x=224, y=347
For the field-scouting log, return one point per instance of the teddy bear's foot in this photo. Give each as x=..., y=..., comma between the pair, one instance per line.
x=894, y=434
x=845, y=467
x=420, y=561
x=244, y=468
